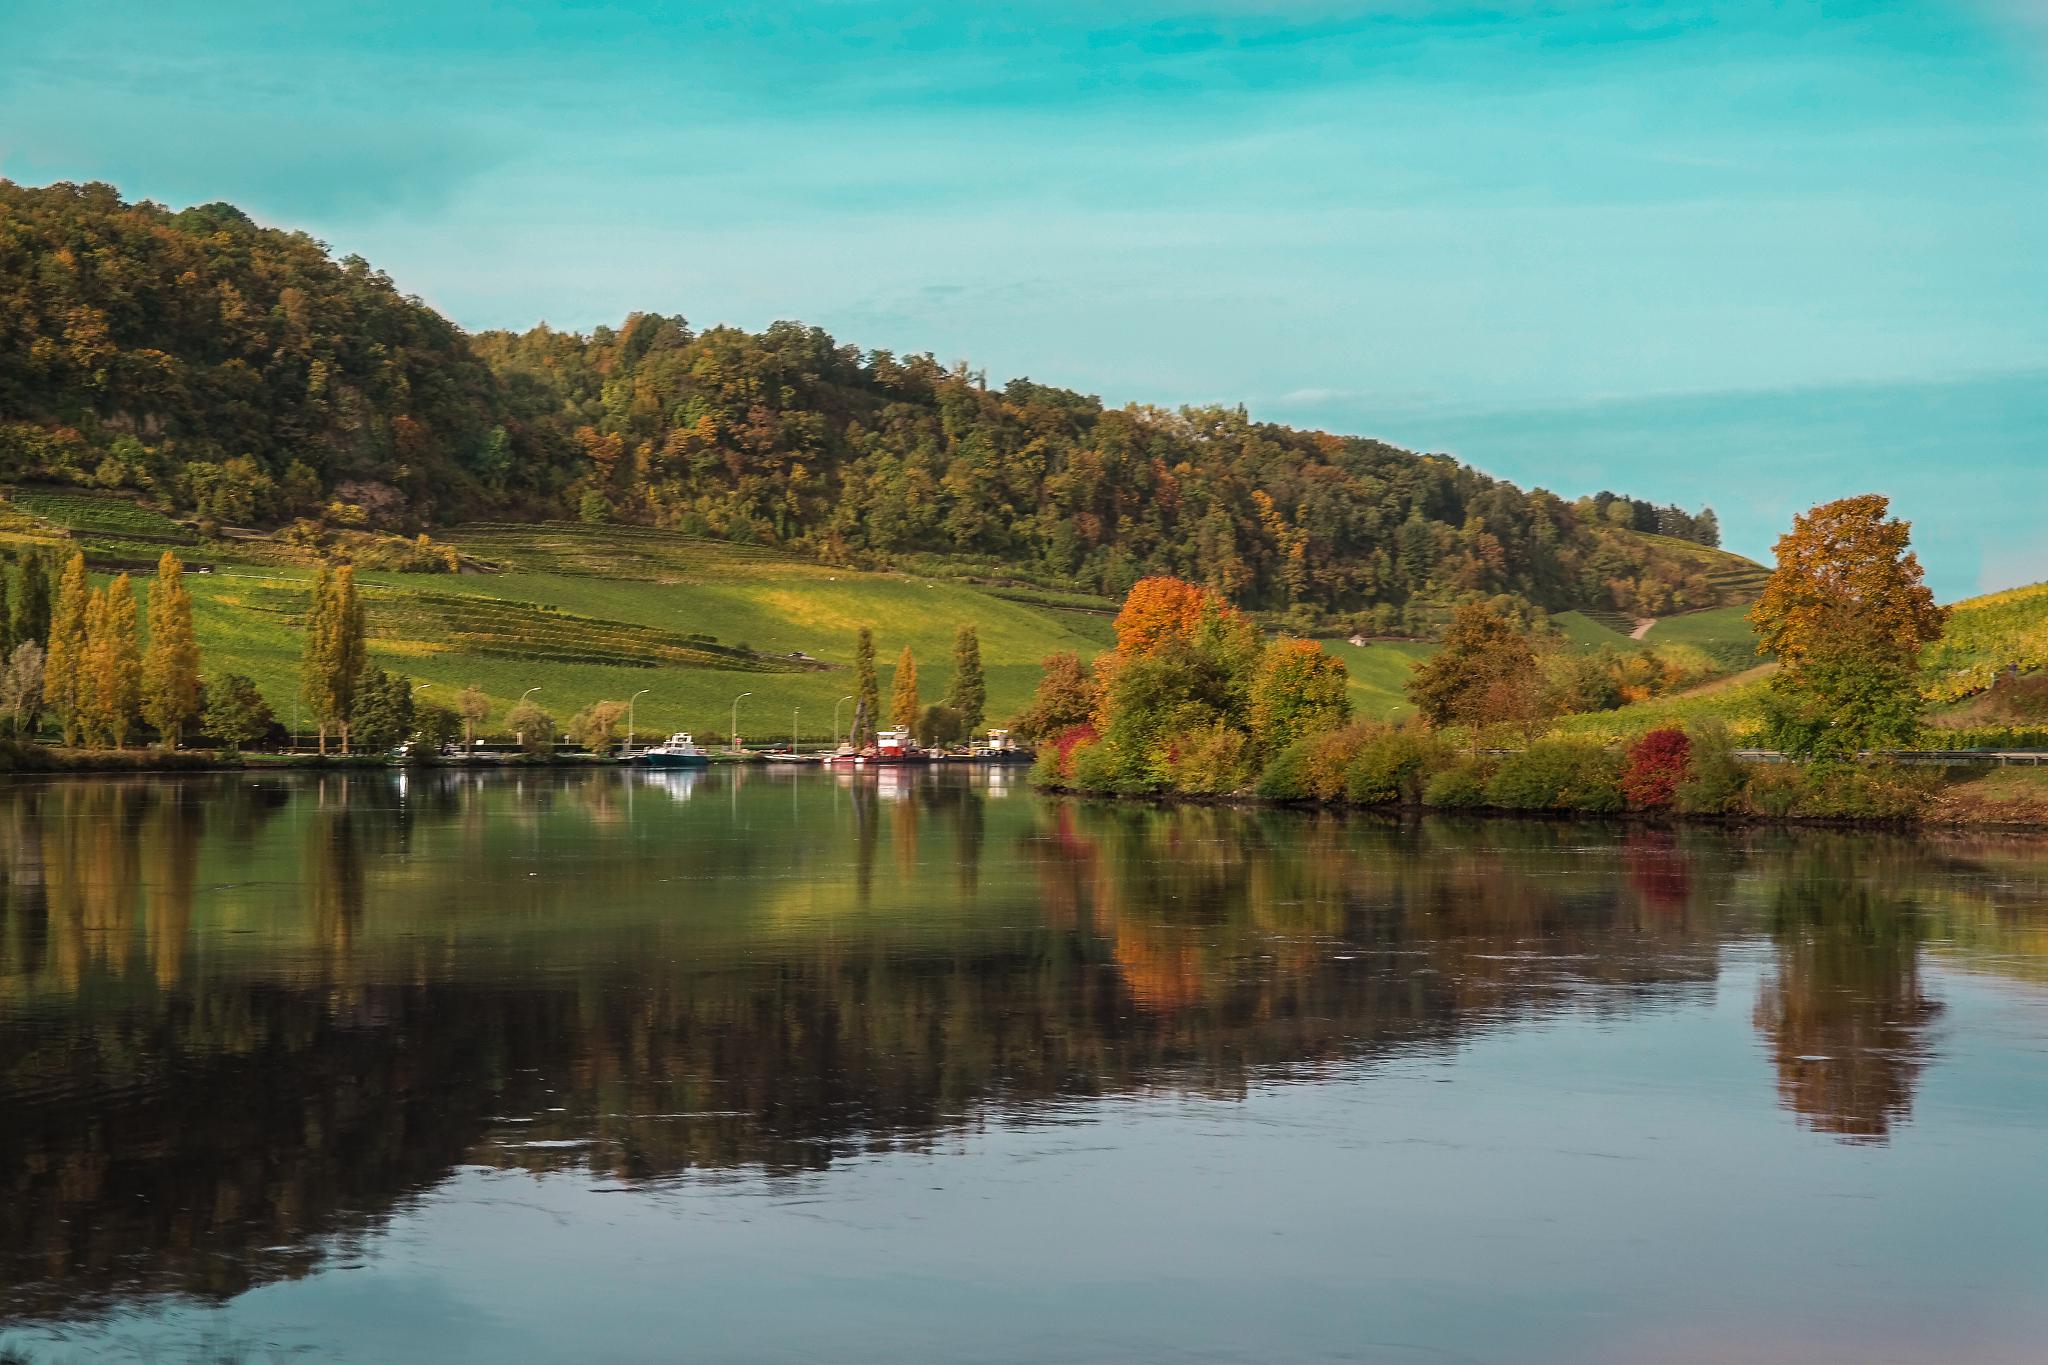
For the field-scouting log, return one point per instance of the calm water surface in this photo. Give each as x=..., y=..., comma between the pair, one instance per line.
x=787, y=1067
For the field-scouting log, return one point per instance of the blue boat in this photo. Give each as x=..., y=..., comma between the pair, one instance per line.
x=680, y=751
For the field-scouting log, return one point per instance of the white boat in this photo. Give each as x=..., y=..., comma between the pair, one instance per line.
x=678, y=751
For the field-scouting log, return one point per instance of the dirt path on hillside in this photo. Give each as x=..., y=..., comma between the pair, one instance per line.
x=1643, y=625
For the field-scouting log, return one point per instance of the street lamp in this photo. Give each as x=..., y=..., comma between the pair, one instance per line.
x=629, y=717
x=835, y=718
x=732, y=734
x=794, y=712
x=519, y=736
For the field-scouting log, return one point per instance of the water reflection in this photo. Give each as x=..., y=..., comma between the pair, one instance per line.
x=244, y=1019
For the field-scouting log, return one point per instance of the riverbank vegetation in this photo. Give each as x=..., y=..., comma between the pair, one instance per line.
x=1190, y=702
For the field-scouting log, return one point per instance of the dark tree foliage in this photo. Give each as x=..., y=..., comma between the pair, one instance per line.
x=241, y=374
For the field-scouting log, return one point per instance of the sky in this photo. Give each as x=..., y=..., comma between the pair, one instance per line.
x=1752, y=254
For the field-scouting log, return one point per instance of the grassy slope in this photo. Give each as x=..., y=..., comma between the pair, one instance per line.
x=734, y=593
x=766, y=607
x=1984, y=635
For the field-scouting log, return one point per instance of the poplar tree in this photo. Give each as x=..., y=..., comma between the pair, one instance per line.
x=968, y=694
x=170, y=667
x=867, y=692
x=116, y=662
x=6, y=615
x=94, y=671
x=64, y=661
x=335, y=652
x=903, y=692
x=32, y=602
x=313, y=663
x=351, y=651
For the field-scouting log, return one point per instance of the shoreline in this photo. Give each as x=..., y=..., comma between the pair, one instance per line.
x=1990, y=817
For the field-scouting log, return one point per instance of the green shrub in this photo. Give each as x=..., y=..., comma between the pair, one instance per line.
x=1394, y=765
x=1098, y=767
x=1285, y=776
x=1881, y=792
x=1462, y=786
x=1775, y=789
x=1558, y=774
x=1211, y=761
x=1714, y=778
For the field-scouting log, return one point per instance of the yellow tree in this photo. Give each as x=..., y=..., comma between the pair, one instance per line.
x=63, y=667
x=1846, y=615
x=1845, y=576
x=314, y=663
x=118, y=664
x=903, y=705
x=95, y=674
x=170, y=666
x=1298, y=689
x=335, y=652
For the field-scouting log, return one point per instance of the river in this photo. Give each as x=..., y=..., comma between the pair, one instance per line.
x=565, y=1066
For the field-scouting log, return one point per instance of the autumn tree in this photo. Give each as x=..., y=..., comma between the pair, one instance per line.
x=1158, y=611
x=6, y=612
x=236, y=713
x=867, y=692
x=170, y=666
x=1066, y=697
x=967, y=696
x=596, y=726
x=903, y=703
x=111, y=690
x=1299, y=688
x=21, y=688
x=1484, y=674
x=335, y=652
x=532, y=726
x=475, y=708
x=1846, y=614
x=1183, y=664
x=64, y=661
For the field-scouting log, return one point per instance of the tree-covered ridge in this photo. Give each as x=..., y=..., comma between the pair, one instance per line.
x=239, y=373
x=232, y=370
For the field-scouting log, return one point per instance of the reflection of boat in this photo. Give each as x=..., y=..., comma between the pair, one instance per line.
x=679, y=752
x=677, y=782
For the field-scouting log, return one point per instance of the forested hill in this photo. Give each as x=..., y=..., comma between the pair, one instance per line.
x=241, y=374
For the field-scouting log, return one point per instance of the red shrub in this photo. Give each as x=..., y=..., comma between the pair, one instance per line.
x=1064, y=743
x=1656, y=764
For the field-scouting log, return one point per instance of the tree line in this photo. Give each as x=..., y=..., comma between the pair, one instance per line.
x=952, y=719
x=241, y=375
x=1189, y=701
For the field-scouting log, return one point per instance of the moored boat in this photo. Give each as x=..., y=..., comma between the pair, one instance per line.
x=678, y=751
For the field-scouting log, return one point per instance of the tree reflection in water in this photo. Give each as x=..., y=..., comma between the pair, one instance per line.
x=242, y=1020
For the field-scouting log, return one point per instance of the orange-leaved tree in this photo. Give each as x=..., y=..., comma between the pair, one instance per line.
x=1846, y=615
x=1845, y=577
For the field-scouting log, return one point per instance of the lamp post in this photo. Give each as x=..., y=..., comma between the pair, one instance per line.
x=835, y=717
x=519, y=736
x=732, y=734
x=629, y=717
x=794, y=712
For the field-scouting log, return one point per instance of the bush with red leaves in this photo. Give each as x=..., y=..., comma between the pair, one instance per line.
x=1655, y=765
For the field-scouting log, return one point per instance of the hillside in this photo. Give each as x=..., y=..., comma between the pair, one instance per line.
x=1987, y=640
x=240, y=375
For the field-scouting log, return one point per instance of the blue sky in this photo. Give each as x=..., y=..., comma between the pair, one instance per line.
x=1758, y=254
